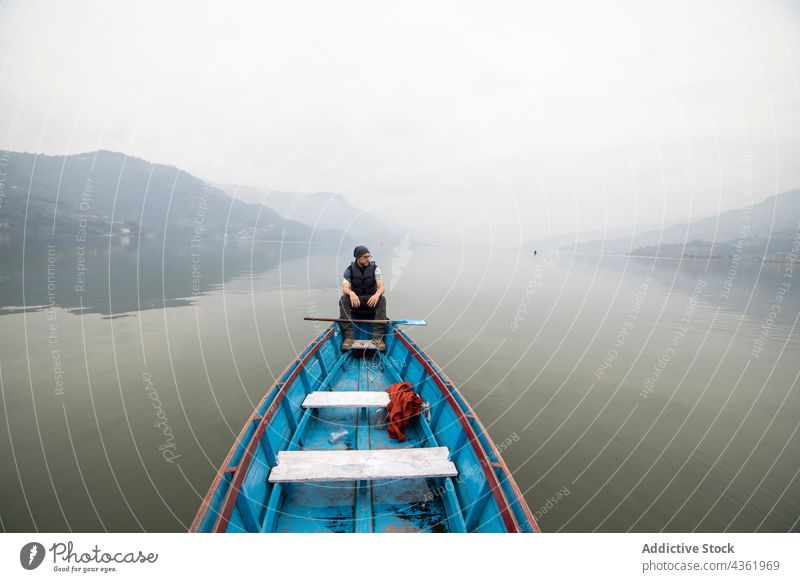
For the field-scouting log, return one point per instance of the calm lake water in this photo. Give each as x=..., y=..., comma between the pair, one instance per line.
x=629, y=394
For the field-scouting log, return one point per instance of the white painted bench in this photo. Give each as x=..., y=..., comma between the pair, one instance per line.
x=332, y=399
x=306, y=466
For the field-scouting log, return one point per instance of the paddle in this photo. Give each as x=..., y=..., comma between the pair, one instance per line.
x=394, y=321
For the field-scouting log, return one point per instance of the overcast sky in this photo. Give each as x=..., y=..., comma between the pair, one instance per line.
x=499, y=123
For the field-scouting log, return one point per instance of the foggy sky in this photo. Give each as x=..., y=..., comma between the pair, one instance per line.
x=492, y=124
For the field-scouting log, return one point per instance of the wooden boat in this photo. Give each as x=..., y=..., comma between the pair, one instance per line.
x=315, y=455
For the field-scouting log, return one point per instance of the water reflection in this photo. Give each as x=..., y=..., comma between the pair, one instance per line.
x=117, y=276
x=748, y=287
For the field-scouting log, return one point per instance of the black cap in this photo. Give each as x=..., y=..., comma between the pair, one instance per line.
x=360, y=250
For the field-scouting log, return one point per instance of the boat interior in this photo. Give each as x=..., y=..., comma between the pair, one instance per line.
x=316, y=455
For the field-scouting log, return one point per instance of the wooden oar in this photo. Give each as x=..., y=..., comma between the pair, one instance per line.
x=395, y=321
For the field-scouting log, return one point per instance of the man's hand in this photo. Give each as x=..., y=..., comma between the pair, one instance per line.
x=373, y=300
x=355, y=301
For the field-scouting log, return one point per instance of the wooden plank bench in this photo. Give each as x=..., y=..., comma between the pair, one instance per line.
x=363, y=344
x=342, y=399
x=343, y=465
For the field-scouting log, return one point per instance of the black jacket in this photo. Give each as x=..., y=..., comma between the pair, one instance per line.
x=362, y=280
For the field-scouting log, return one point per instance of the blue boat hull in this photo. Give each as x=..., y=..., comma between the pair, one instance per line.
x=482, y=498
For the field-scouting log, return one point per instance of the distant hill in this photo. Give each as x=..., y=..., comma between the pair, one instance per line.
x=776, y=245
x=322, y=210
x=776, y=217
x=139, y=195
x=559, y=241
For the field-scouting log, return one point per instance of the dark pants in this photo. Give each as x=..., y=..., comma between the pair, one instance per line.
x=346, y=311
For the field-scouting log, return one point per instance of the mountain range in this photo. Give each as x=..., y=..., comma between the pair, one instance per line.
x=761, y=229
x=108, y=192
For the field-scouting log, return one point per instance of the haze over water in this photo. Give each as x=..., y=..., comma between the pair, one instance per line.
x=626, y=394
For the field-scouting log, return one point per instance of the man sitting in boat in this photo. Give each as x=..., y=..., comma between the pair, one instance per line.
x=362, y=290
